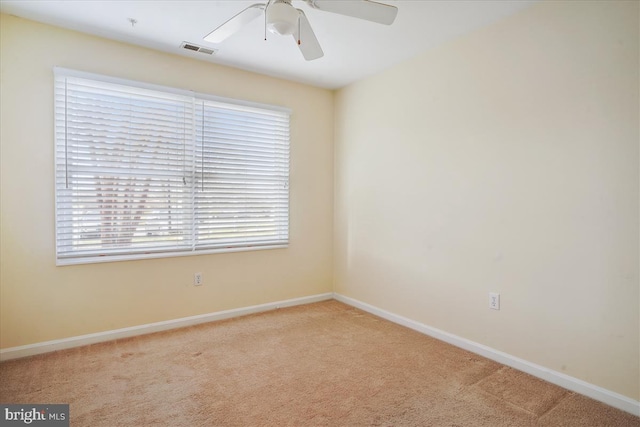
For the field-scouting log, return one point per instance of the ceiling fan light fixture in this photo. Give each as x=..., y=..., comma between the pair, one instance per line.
x=282, y=18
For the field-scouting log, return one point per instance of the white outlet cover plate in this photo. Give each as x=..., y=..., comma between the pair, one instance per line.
x=494, y=301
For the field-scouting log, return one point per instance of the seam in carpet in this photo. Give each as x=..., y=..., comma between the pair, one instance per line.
x=567, y=395
x=533, y=414
x=478, y=384
x=479, y=380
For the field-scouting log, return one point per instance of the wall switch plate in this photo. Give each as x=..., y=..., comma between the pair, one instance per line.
x=494, y=301
x=197, y=279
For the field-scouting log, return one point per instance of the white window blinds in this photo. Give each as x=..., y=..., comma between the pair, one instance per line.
x=145, y=171
x=242, y=176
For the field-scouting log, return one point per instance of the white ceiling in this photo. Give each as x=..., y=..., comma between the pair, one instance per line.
x=353, y=48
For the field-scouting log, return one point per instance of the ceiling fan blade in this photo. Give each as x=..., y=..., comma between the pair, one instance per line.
x=306, y=39
x=363, y=9
x=234, y=24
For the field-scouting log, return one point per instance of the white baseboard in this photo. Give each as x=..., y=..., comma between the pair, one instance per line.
x=582, y=387
x=61, y=344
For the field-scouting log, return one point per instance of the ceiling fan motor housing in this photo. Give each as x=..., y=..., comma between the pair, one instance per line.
x=282, y=18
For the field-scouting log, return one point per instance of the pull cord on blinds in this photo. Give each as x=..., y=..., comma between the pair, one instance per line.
x=148, y=171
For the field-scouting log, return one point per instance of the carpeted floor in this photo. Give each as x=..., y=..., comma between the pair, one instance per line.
x=323, y=364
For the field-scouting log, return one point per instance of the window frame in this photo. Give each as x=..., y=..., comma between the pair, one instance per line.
x=137, y=253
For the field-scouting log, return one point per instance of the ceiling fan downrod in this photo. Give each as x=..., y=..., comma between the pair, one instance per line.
x=281, y=17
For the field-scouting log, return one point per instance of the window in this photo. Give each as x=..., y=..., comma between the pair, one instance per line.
x=147, y=171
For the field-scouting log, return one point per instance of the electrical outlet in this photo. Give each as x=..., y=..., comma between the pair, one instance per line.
x=197, y=279
x=494, y=301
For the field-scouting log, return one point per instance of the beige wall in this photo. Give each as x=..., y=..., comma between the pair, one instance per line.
x=39, y=301
x=504, y=161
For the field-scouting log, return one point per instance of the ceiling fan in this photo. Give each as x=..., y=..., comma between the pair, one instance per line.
x=281, y=17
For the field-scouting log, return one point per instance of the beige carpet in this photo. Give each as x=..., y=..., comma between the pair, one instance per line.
x=323, y=364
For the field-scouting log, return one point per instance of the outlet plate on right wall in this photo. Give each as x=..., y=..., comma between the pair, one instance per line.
x=494, y=301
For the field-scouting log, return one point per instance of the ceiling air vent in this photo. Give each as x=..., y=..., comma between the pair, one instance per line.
x=196, y=48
